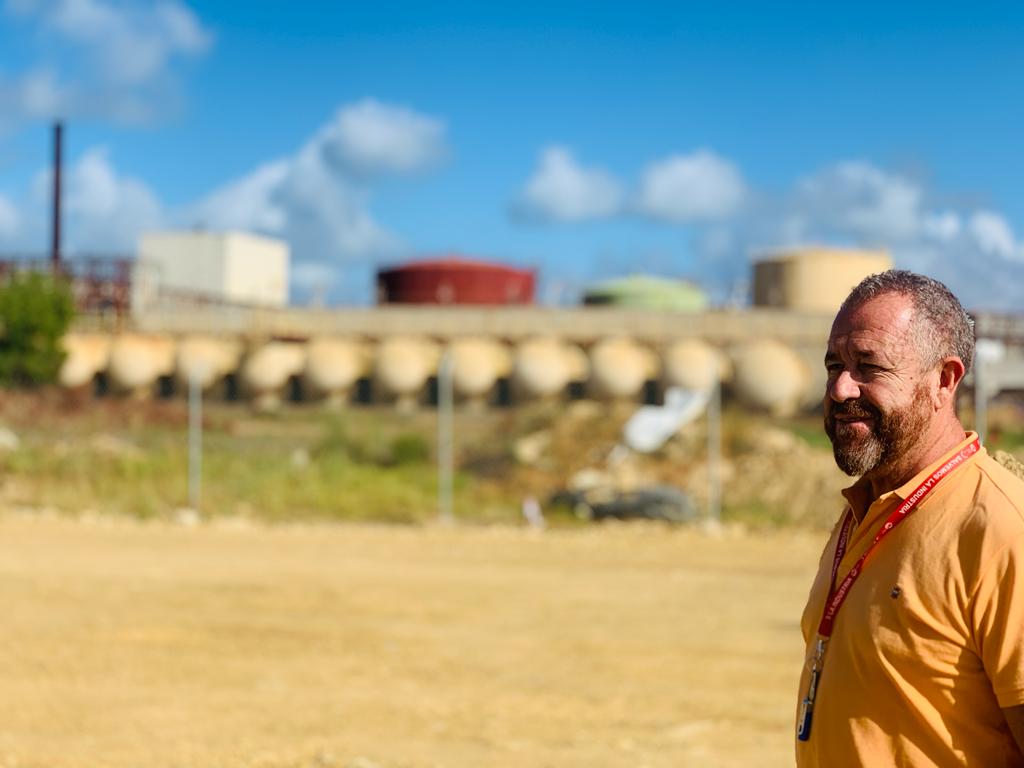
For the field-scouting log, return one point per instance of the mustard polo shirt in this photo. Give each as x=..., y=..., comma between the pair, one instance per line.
x=929, y=645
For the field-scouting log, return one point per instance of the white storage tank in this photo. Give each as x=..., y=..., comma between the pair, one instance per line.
x=619, y=367
x=402, y=365
x=769, y=376
x=266, y=370
x=334, y=365
x=543, y=366
x=86, y=355
x=137, y=361
x=478, y=363
x=694, y=365
x=208, y=358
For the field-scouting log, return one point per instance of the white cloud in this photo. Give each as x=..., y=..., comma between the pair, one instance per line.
x=106, y=210
x=40, y=95
x=328, y=214
x=942, y=226
x=318, y=198
x=246, y=203
x=850, y=203
x=370, y=137
x=320, y=207
x=102, y=58
x=865, y=201
x=993, y=234
x=695, y=187
x=562, y=190
x=131, y=43
x=856, y=203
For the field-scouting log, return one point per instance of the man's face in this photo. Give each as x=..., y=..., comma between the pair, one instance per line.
x=877, y=401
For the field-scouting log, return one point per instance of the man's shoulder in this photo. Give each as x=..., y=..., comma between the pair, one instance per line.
x=1001, y=488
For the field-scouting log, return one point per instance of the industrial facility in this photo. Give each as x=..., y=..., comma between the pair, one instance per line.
x=629, y=341
x=211, y=308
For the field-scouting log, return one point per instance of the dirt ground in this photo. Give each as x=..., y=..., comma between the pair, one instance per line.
x=227, y=644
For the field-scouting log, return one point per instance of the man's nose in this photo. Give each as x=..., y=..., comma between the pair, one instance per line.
x=843, y=387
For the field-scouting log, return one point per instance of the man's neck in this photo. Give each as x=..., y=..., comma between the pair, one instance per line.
x=927, y=451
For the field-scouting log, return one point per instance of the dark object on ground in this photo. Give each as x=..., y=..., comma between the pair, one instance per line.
x=656, y=502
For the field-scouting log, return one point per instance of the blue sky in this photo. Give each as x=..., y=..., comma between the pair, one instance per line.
x=585, y=139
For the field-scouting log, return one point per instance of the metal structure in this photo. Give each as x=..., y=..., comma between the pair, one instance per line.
x=58, y=147
x=100, y=285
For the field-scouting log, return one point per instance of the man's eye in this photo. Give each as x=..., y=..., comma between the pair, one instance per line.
x=834, y=367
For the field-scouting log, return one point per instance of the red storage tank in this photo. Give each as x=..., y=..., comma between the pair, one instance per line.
x=455, y=280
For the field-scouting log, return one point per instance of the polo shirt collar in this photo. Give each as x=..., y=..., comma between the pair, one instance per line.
x=858, y=494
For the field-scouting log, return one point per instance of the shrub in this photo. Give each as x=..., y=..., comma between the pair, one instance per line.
x=410, y=448
x=35, y=312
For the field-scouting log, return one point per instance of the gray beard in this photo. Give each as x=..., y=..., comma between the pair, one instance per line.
x=857, y=457
x=890, y=439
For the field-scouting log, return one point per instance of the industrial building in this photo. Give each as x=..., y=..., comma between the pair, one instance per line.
x=812, y=278
x=455, y=280
x=648, y=292
x=217, y=267
x=637, y=337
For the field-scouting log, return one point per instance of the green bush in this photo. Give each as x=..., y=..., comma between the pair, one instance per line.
x=35, y=312
x=409, y=448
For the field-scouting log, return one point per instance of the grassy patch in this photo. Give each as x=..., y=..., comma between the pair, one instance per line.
x=264, y=468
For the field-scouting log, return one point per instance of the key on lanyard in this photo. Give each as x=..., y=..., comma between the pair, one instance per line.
x=803, y=728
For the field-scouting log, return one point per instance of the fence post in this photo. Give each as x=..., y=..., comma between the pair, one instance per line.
x=195, y=438
x=445, y=452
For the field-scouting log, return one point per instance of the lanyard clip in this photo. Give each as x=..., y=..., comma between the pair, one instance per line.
x=804, y=720
x=818, y=658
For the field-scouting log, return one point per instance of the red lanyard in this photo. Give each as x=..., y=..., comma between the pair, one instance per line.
x=837, y=594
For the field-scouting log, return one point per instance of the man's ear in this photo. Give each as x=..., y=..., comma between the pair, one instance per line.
x=951, y=373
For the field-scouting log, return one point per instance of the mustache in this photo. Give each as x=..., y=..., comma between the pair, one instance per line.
x=852, y=409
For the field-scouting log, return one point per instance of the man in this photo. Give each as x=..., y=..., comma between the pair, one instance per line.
x=915, y=622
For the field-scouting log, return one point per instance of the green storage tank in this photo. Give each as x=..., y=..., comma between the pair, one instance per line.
x=648, y=292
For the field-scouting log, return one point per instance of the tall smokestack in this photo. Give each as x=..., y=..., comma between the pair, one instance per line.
x=58, y=131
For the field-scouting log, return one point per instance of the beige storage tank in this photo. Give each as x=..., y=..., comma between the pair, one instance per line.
x=812, y=278
x=402, y=365
x=86, y=355
x=769, y=376
x=208, y=358
x=334, y=365
x=817, y=377
x=477, y=364
x=619, y=367
x=694, y=365
x=542, y=367
x=267, y=369
x=136, y=362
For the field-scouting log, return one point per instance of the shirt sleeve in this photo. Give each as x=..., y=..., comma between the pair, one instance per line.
x=998, y=622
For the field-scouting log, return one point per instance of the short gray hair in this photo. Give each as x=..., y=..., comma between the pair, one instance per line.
x=946, y=329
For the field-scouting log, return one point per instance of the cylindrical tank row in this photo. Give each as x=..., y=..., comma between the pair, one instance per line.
x=763, y=374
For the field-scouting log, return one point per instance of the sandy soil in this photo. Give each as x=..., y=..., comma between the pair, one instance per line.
x=145, y=644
